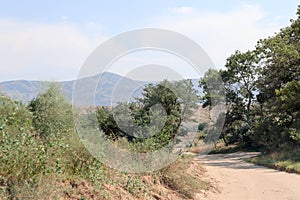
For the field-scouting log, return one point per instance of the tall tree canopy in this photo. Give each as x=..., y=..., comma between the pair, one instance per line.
x=262, y=91
x=153, y=120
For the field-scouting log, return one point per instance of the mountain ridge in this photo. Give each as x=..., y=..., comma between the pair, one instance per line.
x=26, y=90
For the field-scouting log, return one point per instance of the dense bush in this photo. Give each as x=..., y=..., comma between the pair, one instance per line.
x=40, y=140
x=22, y=155
x=52, y=114
x=153, y=120
x=262, y=92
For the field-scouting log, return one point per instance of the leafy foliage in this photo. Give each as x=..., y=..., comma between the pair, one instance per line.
x=153, y=120
x=21, y=154
x=262, y=92
x=52, y=114
x=32, y=148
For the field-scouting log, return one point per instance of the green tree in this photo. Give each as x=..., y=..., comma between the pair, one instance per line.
x=212, y=87
x=214, y=95
x=52, y=114
x=289, y=99
x=175, y=102
x=278, y=87
x=14, y=116
x=240, y=79
x=21, y=153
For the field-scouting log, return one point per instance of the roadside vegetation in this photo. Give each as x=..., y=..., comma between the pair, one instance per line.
x=184, y=177
x=285, y=160
x=159, y=113
x=263, y=99
x=42, y=157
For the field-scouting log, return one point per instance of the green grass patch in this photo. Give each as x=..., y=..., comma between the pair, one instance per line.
x=288, y=161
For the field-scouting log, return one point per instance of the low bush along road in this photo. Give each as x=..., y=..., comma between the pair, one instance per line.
x=236, y=179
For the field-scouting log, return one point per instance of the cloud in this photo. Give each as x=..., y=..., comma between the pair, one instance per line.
x=56, y=51
x=44, y=51
x=182, y=10
x=220, y=33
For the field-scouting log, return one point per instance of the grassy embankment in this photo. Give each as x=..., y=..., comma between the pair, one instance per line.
x=180, y=180
x=42, y=157
x=287, y=160
x=284, y=160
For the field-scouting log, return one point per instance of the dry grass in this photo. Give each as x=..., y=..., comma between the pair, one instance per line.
x=180, y=180
x=184, y=176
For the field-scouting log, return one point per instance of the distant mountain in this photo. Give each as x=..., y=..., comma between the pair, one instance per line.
x=108, y=85
x=21, y=89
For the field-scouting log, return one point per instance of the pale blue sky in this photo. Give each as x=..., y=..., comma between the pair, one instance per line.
x=49, y=40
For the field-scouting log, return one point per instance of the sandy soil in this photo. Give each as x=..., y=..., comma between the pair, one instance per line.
x=238, y=180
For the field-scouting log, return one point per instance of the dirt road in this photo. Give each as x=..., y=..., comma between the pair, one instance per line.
x=238, y=180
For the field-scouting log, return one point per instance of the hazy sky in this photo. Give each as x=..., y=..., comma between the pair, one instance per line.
x=50, y=40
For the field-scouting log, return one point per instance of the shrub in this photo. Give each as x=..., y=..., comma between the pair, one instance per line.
x=52, y=114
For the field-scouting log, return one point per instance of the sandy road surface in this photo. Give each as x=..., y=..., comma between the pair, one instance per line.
x=238, y=180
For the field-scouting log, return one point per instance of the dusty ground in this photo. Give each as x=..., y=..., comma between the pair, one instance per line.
x=236, y=179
